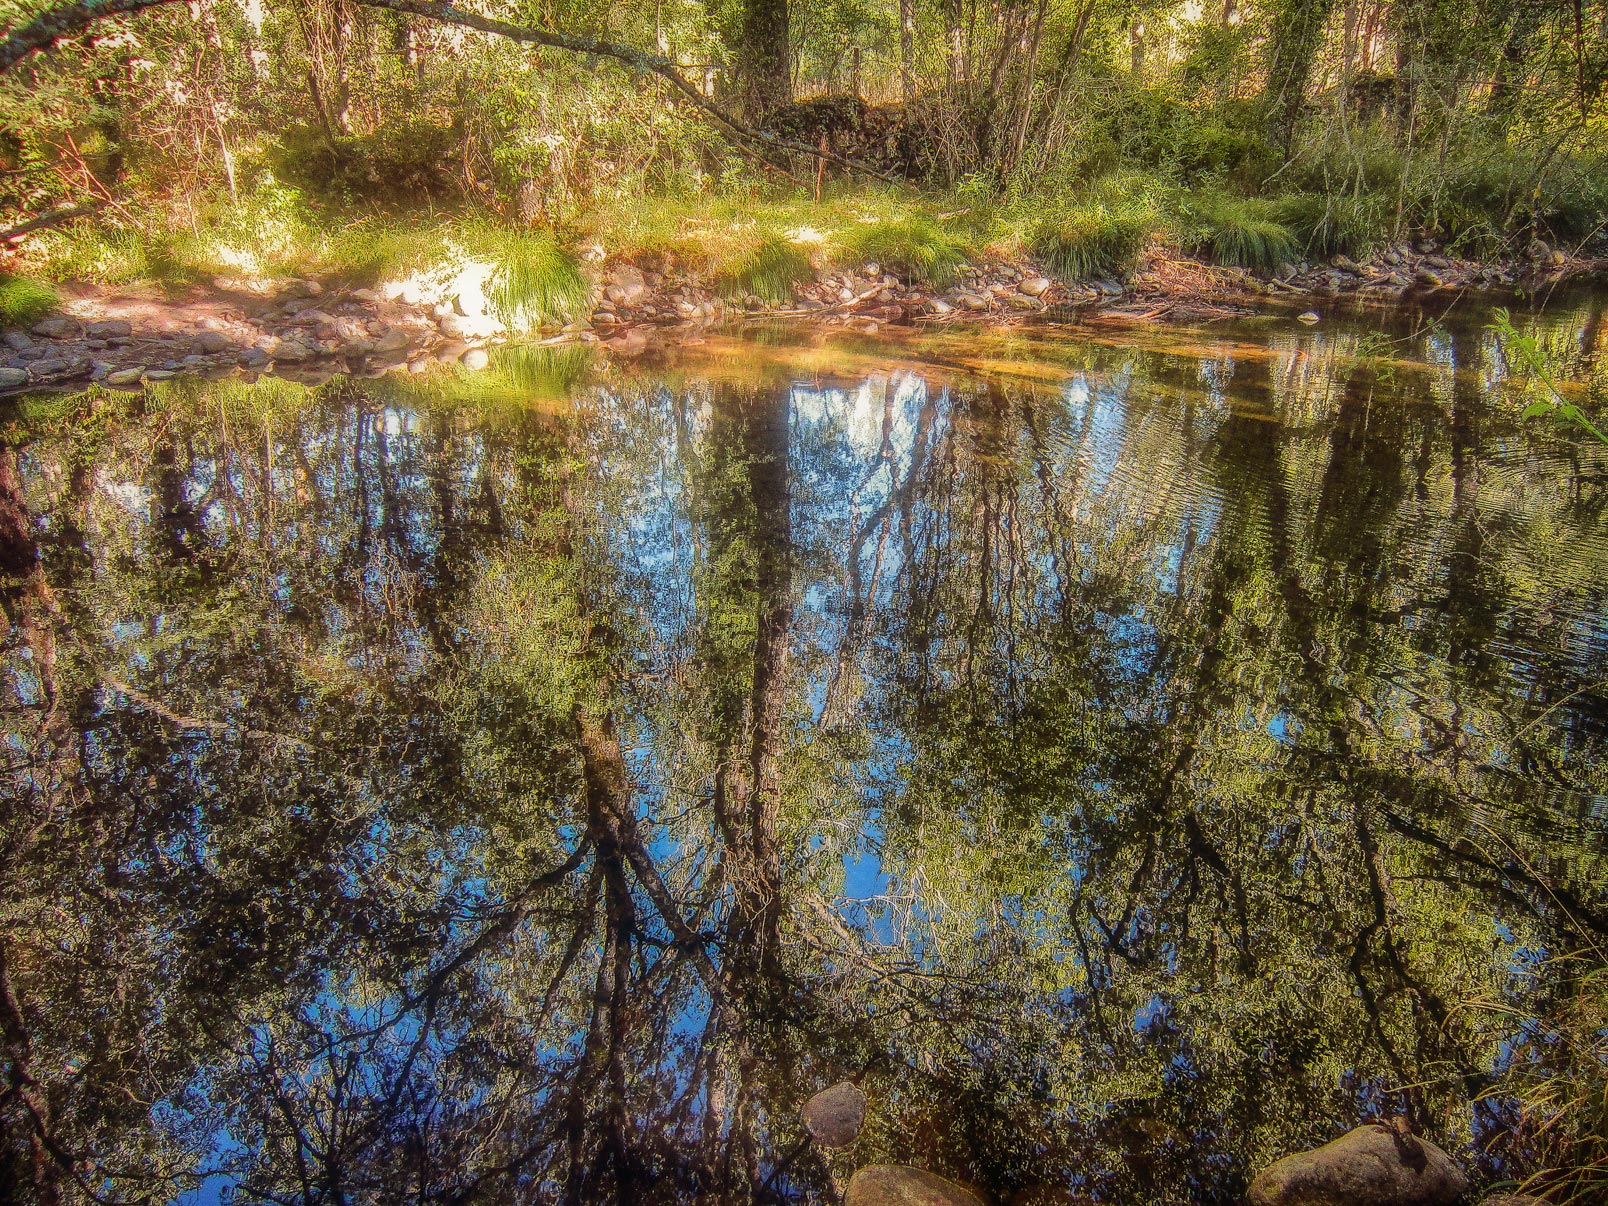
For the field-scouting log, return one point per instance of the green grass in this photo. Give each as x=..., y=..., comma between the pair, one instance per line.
x=1102, y=235
x=24, y=302
x=769, y=272
x=1239, y=231
x=1326, y=225
x=537, y=282
x=915, y=248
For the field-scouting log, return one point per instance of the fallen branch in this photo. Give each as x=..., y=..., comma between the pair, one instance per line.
x=69, y=20
x=52, y=217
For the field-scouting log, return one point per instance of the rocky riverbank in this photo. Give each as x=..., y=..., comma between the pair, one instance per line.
x=1377, y=1164
x=313, y=329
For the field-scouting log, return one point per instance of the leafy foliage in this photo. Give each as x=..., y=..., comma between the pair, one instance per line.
x=1547, y=399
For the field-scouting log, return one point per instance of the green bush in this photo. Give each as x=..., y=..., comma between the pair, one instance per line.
x=24, y=302
x=769, y=272
x=1101, y=234
x=914, y=248
x=1236, y=230
x=1326, y=225
x=408, y=161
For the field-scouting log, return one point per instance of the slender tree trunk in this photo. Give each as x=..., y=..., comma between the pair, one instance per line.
x=907, y=50
x=765, y=60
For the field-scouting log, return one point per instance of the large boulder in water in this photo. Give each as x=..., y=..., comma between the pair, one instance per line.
x=901, y=1185
x=834, y=1116
x=1373, y=1165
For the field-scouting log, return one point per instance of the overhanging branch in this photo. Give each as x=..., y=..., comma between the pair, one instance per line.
x=69, y=20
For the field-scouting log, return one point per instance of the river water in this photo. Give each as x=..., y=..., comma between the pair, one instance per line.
x=1130, y=754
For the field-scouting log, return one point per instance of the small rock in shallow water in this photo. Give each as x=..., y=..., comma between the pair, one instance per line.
x=16, y=340
x=1310, y=317
x=128, y=376
x=1035, y=286
x=901, y=1185
x=10, y=378
x=212, y=342
x=1373, y=1165
x=834, y=1116
x=475, y=358
x=111, y=328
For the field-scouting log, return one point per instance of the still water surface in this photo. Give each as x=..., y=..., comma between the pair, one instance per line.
x=1131, y=755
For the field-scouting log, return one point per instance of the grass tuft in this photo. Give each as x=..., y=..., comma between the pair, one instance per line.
x=1237, y=230
x=537, y=282
x=24, y=302
x=915, y=248
x=1334, y=224
x=1102, y=235
x=769, y=273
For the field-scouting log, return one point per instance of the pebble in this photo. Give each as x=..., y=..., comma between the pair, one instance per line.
x=1310, y=317
x=128, y=376
x=1035, y=286
x=213, y=342
x=11, y=378
x=16, y=340
x=111, y=328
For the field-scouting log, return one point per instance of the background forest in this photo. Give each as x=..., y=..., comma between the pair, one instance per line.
x=227, y=134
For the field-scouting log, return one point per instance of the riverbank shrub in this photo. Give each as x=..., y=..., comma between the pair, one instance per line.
x=1100, y=234
x=24, y=302
x=769, y=272
x=915, y=248
x=1239, y=231
x=1325, y=225
x=536, y=283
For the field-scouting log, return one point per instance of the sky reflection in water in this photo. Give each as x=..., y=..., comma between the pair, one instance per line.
x=1131, y=756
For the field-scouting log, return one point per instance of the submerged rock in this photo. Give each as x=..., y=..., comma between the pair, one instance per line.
x=1373, y=1165
x=902, y=1185
x=834, y=1116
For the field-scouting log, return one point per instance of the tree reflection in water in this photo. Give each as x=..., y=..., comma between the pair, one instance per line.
x=1129, y=766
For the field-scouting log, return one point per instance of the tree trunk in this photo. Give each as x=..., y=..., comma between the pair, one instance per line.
x=765, y=61
x=907, y=50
